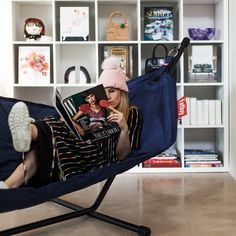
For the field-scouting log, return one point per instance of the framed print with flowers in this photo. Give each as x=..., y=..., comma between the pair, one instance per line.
x=34, y=65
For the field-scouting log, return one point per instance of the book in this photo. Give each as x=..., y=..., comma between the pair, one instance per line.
x=193, y=111
x=198, y=151
x=155, y=162
x=158, y=23
x=74, y=23
x=201, y=158
x=86, y=114
x=212, y=112
x=218, y=113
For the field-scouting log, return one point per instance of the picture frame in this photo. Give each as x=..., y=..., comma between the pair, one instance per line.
x=74, y=23
x=125, y=53
x=34, y=65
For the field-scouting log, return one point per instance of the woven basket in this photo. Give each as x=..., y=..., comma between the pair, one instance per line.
x=117, y=31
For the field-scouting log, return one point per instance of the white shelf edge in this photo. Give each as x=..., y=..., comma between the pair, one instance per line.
x=202, y=84
x=200, y=126
x=33, y=86
x=206, y=41
x=75, y=85
x=176, y=170
x=31, y=43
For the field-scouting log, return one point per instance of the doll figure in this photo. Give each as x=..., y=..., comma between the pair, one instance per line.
x=33, y=29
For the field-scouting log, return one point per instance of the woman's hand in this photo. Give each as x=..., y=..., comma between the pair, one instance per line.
x=123, y=144
x=79, y=128
x=117, y=116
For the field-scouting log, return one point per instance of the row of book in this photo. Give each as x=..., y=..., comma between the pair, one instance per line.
x=201, y=158
x=203, y=112
x=168, y=159
x=192, y=158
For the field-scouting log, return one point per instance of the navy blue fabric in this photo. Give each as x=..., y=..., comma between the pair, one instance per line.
x=157, y=101
x=9, y=158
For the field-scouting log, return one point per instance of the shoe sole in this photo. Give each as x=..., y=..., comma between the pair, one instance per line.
x=19, y=124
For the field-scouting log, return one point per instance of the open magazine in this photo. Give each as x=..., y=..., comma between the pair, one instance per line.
x=86, y=114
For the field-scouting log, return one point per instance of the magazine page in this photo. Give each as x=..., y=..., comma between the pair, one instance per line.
x=88, y=111
x=66, y=116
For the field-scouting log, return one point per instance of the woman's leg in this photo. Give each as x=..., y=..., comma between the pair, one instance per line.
x=17, y=178
x=23, y=132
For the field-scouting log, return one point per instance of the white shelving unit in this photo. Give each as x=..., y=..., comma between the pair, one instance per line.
x=187, y=13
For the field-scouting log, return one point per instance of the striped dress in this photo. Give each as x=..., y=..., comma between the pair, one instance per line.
x=70, y=156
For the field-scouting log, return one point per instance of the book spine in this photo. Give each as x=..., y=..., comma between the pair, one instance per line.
x=200, y=112
x=205, y=109
x=212, y=112
x=193, y=111
x=218, y=112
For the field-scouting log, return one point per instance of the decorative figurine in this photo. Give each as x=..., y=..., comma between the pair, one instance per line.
x=33, y=29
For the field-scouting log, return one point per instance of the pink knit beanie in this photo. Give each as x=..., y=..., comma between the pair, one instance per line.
x=112, y=75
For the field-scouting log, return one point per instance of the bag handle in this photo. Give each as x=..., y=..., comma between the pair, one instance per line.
x=155, y=48
x=117, y=13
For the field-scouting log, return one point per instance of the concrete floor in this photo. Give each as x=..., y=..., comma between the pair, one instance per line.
x=170, y=204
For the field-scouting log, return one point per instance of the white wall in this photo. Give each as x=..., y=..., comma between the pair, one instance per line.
x=6, y=67
x=232, y=86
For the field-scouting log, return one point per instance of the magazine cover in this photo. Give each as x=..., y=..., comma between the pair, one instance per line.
x=86, y=114
x=74, y=23
x=158, y=23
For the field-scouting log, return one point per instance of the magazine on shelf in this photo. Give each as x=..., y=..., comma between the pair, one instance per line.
x=158, y=23
x=88, y=124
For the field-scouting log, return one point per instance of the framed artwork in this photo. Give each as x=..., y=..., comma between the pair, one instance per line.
x=34, y=65
x=125, y=54
x=74, y=23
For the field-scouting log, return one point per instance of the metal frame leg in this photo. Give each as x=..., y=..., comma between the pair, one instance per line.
x=80, y=211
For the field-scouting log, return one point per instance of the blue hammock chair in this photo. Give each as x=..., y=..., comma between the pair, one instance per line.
x=154, y=93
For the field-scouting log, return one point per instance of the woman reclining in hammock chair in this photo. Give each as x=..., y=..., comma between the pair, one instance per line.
x=48, y=143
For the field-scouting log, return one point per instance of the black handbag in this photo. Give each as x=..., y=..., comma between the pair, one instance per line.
x=154, y=63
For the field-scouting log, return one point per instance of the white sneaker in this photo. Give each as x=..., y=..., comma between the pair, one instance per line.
x=19, y=123
x=3, y=185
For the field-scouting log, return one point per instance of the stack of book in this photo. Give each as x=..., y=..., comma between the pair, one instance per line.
x=203, y=112
x=201, y=158
x=165, y=159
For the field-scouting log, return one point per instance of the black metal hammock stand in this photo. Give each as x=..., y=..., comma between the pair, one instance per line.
x=154, y=93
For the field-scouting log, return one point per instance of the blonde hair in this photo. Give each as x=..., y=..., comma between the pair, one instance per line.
x=124, y=104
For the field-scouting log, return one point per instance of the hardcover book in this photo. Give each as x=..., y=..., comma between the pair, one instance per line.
x=158, y=23
x=86, y=114
x=74, y=23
